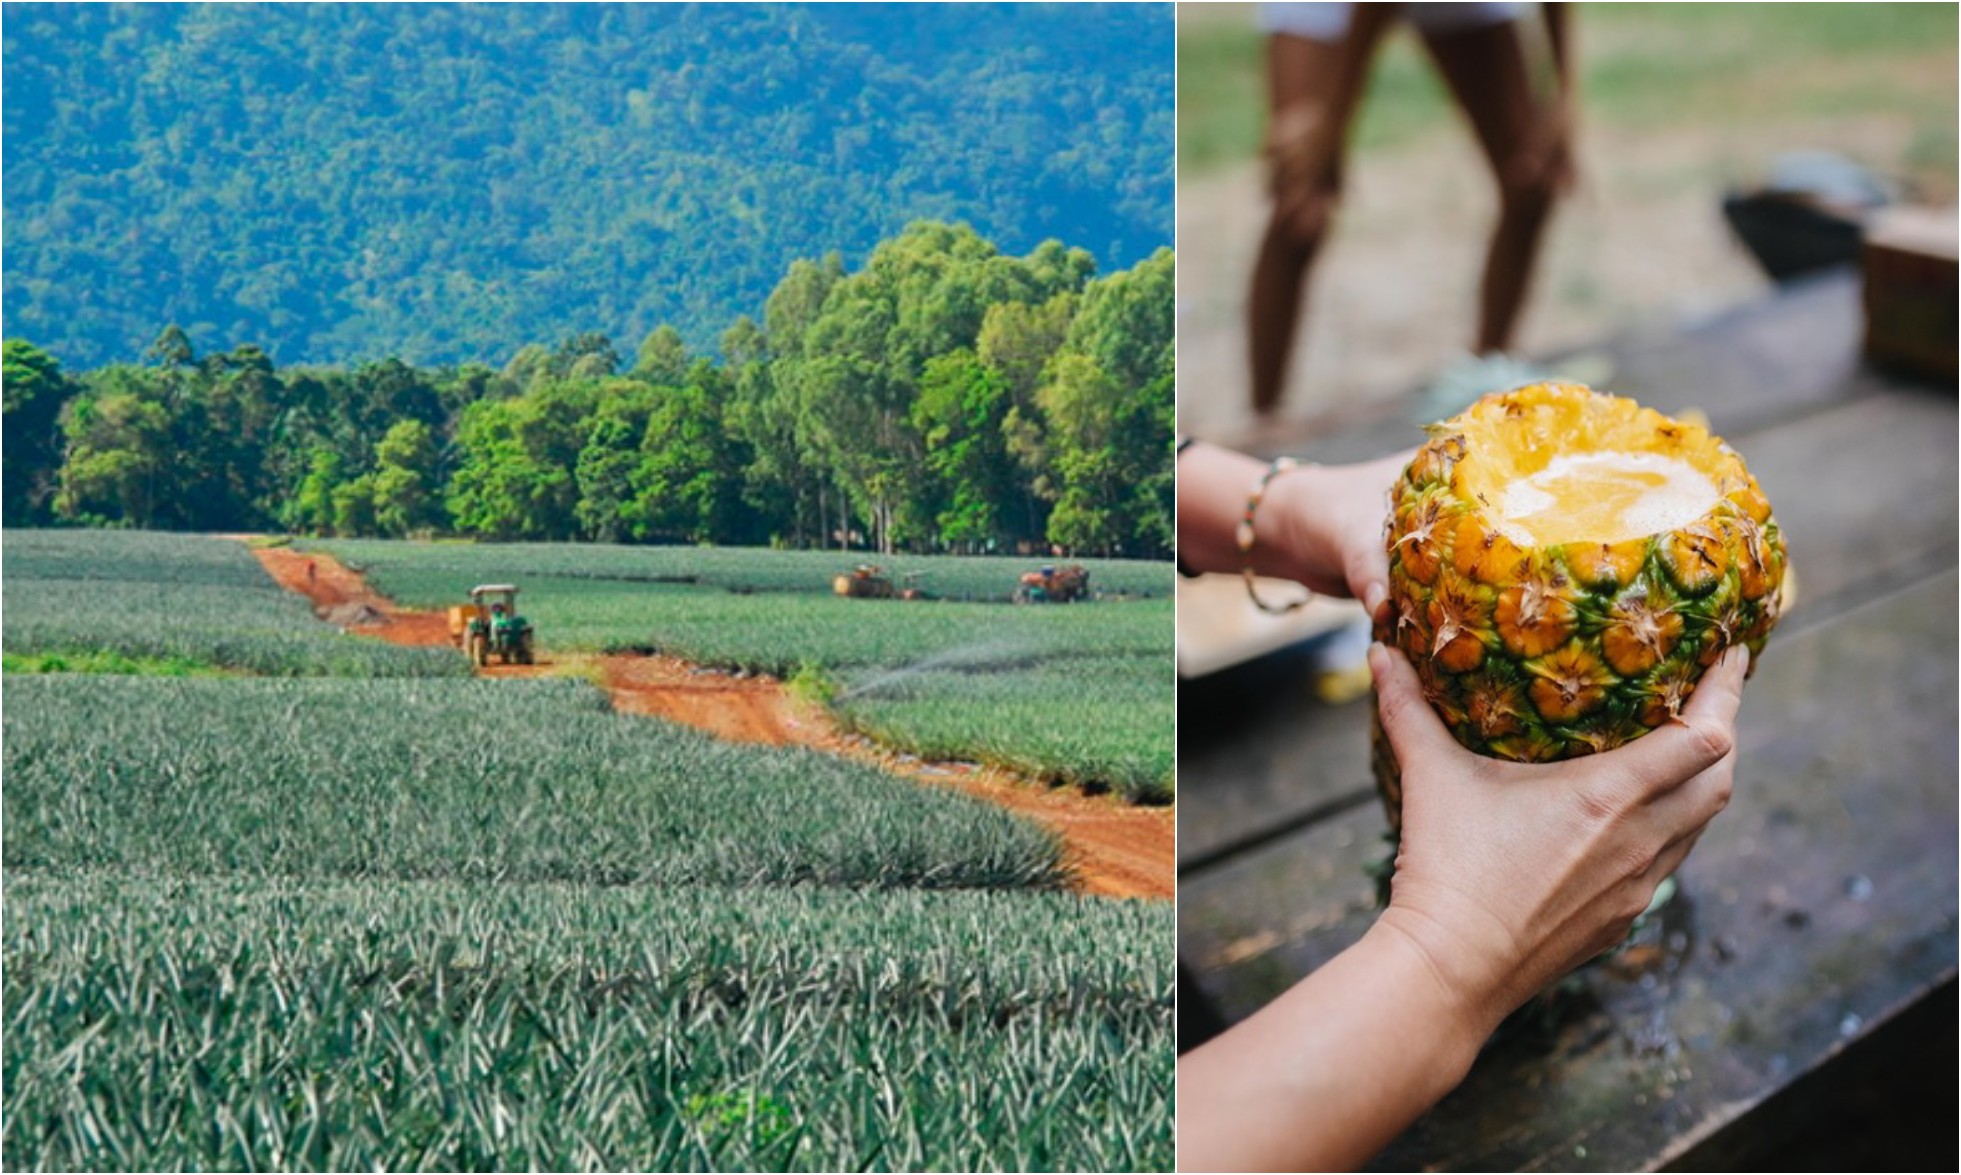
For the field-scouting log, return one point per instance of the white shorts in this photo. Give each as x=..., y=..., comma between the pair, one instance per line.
x=1329, y=22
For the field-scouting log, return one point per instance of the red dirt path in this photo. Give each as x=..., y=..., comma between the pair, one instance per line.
x=1112, y=848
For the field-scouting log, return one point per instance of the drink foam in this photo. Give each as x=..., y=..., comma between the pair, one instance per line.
x=1604, y=497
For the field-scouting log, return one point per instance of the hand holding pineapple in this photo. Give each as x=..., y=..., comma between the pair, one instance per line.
x=1509, y=875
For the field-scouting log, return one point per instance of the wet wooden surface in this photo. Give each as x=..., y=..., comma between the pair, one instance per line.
x=1820, y=907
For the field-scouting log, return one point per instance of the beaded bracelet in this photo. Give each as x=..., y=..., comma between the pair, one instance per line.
x=1243, y=534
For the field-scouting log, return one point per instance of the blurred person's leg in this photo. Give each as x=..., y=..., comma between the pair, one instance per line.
x=1485, y=68
x=1315, y=76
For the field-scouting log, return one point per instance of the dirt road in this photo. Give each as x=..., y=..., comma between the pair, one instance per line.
x=1114, y=849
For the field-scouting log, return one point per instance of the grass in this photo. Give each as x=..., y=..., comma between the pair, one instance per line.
x=106, y=661
x=1646, y=69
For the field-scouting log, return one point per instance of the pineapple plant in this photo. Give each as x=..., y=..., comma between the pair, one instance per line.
x=1564, y=565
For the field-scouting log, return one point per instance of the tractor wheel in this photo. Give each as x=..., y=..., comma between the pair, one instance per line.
x=478, y=652
x=524, y=656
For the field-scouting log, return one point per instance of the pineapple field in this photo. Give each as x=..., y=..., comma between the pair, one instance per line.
x=226, y=1023
x=1081, y=694
x=1084, y=720
x=746, y=569
x=341, y=905
x=516, y=781
x=148, y=595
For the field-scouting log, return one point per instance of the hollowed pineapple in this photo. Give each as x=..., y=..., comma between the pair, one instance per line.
x=1564, y=565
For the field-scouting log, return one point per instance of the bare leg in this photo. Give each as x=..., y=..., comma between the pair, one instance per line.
x=1313, y=90
x=1485, y=70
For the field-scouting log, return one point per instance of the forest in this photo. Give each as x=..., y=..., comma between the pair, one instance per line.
x=943, y=396
x=341, y=183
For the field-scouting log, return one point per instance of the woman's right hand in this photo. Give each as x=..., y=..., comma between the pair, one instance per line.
x=1509, y=875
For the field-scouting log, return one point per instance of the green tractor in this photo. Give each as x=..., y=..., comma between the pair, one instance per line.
x=490, y=626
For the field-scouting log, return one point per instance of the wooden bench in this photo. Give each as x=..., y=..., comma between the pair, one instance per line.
x=1817, y=910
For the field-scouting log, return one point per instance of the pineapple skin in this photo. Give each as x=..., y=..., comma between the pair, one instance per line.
x=1540, y=653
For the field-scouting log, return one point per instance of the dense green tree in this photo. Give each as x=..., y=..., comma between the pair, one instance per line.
x=785, y=436
x=1142, y=440
x=354, y=506
x=961, y=407
x=516, y=468
x=1128, y=322
x=586, y=355
x=1100, y=450
x=390, y=390
x=688, y=482
x=224, y=418
x=406, y=480
x=118, y=454
x=35, y=390
x=1082, y=402
x=663, y=357
x=172, y=349
x=531, y=362
x=609, y=509
x=310, y=510
x=1016, y=342
x=943, y=396
x=755, y=420
x=855, y=368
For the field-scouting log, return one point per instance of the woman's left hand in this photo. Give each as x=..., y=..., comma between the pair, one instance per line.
x=1332, y=520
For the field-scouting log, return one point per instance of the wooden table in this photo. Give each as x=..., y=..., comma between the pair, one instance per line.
x=1819, y=909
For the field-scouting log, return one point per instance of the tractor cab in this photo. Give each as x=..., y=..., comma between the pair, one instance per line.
x=1053, y=585
x=492, y=626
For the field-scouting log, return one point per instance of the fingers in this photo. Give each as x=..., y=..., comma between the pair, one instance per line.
x=1680, y=811
x=1700, y=800
x=1637, y=893
x=1670, y=859
x=1367, y=567
x=1702, y=737
x=1413, y=727
x=1368, y=577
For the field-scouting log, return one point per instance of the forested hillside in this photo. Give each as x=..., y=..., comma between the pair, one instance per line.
x=944, y=396
x=338, y=183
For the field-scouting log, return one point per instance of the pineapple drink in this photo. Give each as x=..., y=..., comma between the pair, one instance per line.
x=1564, y=565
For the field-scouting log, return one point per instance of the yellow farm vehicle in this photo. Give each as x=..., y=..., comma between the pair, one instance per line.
x=870, y=582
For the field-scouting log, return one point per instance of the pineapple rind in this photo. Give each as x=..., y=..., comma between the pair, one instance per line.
x=1550, y=652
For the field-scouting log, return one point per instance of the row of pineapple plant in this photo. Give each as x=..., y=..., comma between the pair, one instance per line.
x=157, y=1024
